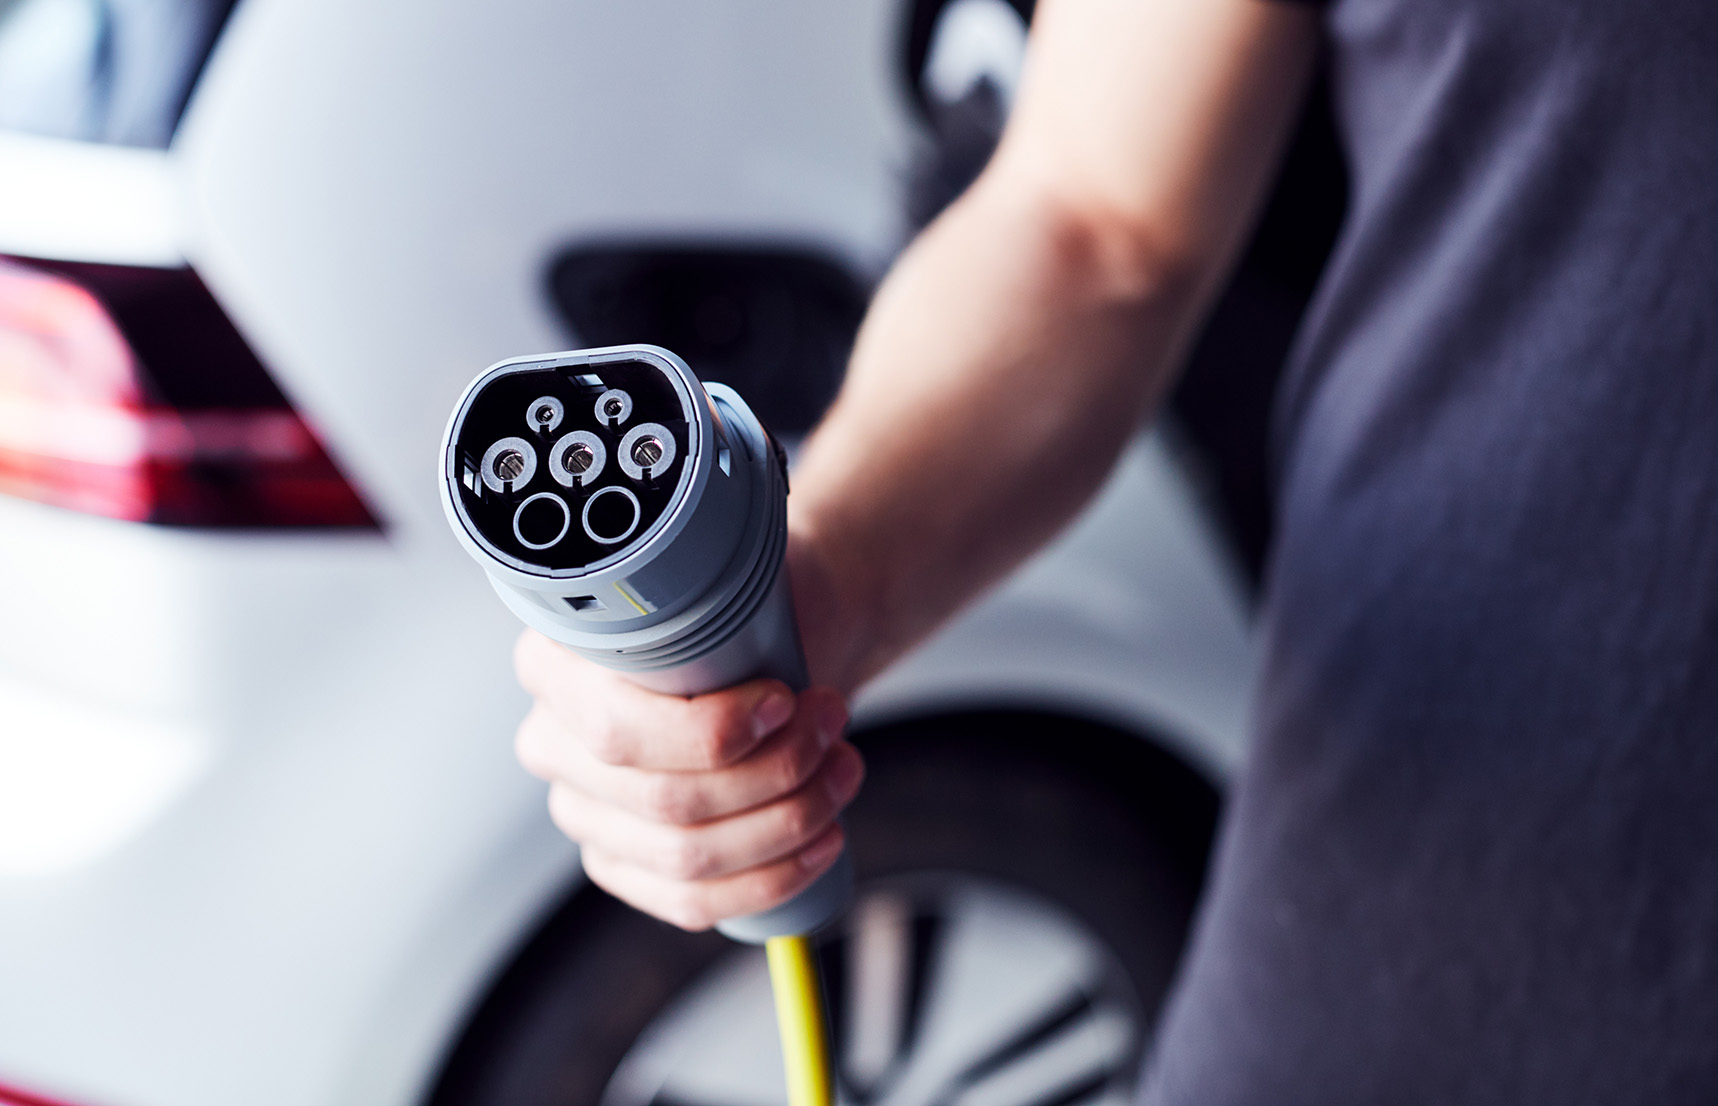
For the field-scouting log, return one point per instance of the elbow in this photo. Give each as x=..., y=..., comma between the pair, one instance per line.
x=1127, y=261
x=1128, y=256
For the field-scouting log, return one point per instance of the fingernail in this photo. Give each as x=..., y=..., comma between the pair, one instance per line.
x=772, y=714
x=830, y=722
x=821, y=853
x=843, y=778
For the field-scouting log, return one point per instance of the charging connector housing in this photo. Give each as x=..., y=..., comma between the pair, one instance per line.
x=638, y=517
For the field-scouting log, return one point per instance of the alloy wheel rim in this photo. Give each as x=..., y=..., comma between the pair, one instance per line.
x=943, y=991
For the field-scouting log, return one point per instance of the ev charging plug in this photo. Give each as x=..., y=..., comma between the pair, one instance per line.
x=639, y=518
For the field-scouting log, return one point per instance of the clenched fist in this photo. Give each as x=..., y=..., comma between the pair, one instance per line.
x=691, y=809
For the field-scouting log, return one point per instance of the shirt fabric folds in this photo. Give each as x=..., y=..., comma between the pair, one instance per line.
x=1474, y=857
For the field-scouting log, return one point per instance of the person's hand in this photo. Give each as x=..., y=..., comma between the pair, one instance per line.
x=693, y=810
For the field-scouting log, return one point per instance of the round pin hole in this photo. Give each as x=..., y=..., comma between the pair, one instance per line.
x=542, y=520
x=611, y=515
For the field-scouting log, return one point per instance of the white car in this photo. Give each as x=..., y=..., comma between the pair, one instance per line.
x=262, y=836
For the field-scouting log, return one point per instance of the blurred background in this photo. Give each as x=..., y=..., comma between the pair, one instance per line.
x=262, y=838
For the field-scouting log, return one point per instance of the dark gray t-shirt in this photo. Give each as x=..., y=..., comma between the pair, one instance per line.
x=1475, y=855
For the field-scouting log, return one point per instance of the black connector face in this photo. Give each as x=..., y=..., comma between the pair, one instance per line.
x=563, y=467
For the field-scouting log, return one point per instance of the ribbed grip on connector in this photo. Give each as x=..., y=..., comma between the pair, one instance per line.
x=822, y=902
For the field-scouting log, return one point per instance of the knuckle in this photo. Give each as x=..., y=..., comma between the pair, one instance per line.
x=524, y=661
x=563, y=811
x=689, y=909
x=785, y=774
x=603, y=738
x=530, y=746
x=597, y=868
x=525, y=746
x=799, y=765
x=534, y=658
x=609, y=876
x=780, y=883
x=665, y=799
x=708, y=750
x=684, y=857
x=723, y=728
x=799, y=818
x=855, y=762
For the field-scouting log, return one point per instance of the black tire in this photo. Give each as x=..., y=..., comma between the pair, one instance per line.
x=1106, y=827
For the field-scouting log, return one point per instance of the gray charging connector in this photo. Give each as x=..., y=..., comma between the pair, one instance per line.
x=638, y=517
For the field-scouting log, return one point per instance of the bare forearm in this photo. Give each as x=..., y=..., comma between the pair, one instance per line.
x=1022, y=339
x=1005, y=363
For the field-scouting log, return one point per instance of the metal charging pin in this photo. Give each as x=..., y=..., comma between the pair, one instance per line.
x=647, y=451
x=613, y=407
x=508, y=464
x=577, y=459
x=545, y=414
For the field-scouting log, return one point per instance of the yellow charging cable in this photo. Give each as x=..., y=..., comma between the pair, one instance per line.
x=799, y=1015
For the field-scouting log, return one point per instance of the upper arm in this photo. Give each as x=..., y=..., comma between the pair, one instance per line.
x=1157, y=123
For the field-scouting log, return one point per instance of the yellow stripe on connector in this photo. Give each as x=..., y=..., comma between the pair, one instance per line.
x=630, y=598
x=799, y=1015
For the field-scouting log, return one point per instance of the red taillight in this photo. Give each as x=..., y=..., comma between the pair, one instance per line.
x=12, y=1096
x=126, y=392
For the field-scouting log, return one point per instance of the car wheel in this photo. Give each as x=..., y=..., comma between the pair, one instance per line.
x=1025, y=885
